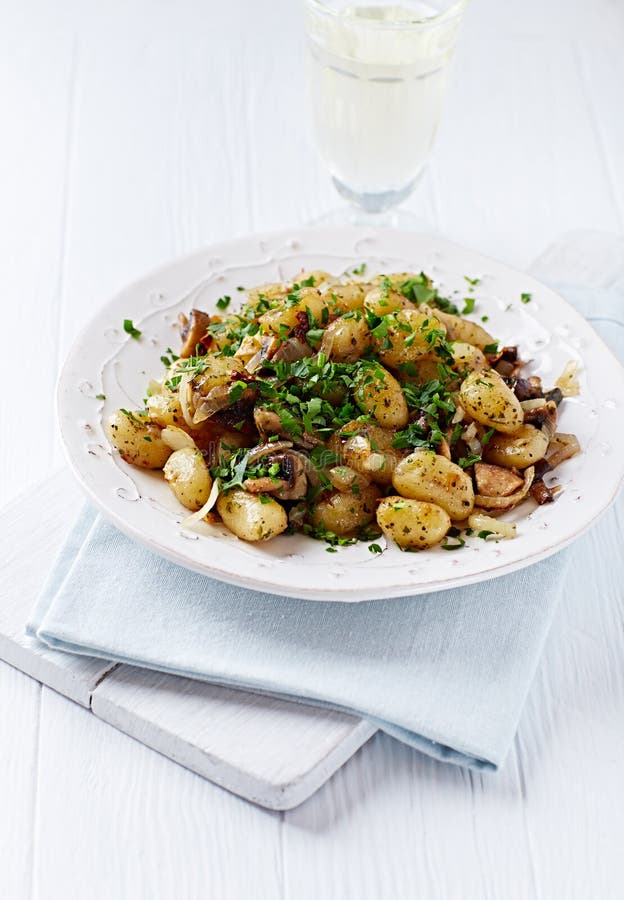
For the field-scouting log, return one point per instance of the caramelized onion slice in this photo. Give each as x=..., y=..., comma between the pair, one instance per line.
x=184, y=396
x=481, y=522
x=261, y=450
x=196, y=517
x=177, y=438
x=568, y=381
x=563, y=446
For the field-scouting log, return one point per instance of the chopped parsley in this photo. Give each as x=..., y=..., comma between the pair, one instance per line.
x=128, y=327
x=375, y=548
x=526, y=298
x=469, y=305
x=455, y=534
x=465, y=461
x=191, y=366
x=421, y=290
x=100, y=396
x=491, y=348
x=224, y=302
x=447, y=546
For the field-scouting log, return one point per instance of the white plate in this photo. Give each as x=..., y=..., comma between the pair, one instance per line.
x=104, y=360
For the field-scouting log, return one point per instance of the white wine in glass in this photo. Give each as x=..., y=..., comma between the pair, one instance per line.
x=376, y=77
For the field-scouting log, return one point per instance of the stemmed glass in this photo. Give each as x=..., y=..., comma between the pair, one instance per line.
x=377, y=74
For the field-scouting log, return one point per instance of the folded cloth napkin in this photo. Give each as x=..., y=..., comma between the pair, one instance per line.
x=447, y=673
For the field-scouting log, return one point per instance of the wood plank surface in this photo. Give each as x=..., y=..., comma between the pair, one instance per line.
x=116, y=820
x=19, y=757
x=33, y=530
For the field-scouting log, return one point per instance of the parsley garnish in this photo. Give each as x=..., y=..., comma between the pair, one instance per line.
x=526, y=298
x=192, y=366
x=470, y=460
x=224, y=302
x=131, y=416
x=128, y=327
x=491, y=348
x=421, y=290
x=236, y=391
x=469, y=305
x=375, y=548
x=100, y=396
x=456, y=534
x=472, y=281
x=322, y=534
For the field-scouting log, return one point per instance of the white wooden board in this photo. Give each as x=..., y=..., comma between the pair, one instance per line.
x=270, y=751
x=273, y=752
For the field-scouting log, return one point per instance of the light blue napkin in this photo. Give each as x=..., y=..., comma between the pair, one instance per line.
x=447, y=673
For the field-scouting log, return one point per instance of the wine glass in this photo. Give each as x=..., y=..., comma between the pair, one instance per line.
x=377, y=74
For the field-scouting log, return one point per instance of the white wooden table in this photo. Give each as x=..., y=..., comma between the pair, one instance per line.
x=135, y=131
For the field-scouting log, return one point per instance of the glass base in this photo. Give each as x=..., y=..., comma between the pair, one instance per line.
x=374, y=203
x=391, y=218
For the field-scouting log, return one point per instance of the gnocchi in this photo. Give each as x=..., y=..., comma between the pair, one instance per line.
x=379, y=394
x=252, y=517
x=486, y=397
x=424, y=475
x=137, y=439
x=345, y=408
x=412, y=524
x=344, y=512
x=187, y=475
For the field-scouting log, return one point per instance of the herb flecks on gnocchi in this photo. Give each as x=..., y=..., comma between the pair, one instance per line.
x=344, y=408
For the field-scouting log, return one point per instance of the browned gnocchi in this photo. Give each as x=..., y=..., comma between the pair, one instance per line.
x=347, y=407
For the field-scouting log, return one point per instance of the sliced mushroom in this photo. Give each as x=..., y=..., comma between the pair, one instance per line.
x=268, y=423
x=193, y=331
x=541, y=493
x=543, y=415
x=506, y=362
x=495, y=481
x=503, y=504
x=264, y=485
x=216, y=399
x=556, y=395
x=219, y=399
x=290, y=484
x=293, y=472
x=527, y=388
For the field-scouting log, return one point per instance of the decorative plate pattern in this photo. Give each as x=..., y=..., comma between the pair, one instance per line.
x=105, y=361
